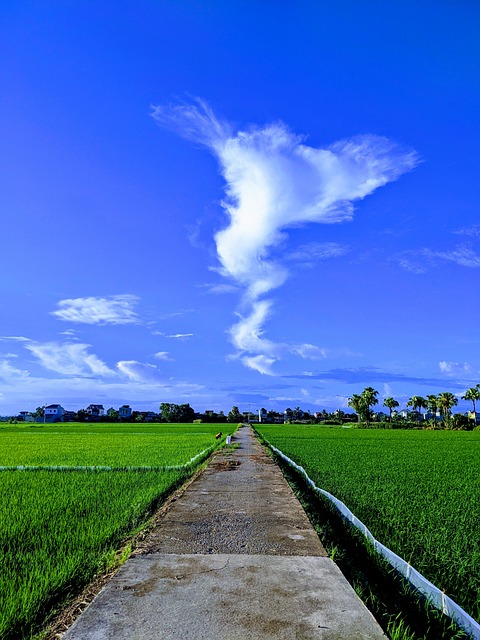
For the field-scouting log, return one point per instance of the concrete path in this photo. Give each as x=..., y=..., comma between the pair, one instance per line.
x=234, y=558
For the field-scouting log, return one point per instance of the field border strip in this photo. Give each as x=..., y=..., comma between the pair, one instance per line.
x=436, y=596
x=202, y=455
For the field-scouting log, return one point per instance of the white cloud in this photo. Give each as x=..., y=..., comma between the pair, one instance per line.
x=247, y=333
x=473, y=231
x=286, y=399
x=31, y=391
x=162, y=355
x=9, y=373
x=219, y=288
x=387, y=390
x=139, y=371
x=312, y=252
x=69, y=358
x=247, y=338
x=421, y=260
x=411, y=261
x=275, y=182
x=261, y=363
x=462, y=255
x=309, y=351
x=172, y=335
x=455, y=368
x=92, y=310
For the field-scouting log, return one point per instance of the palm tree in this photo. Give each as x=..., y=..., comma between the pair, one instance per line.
x=297, y=414
x=369, y=396
x=362, y=403
x=356, y=402
x=417, y=402
x=472, y=394
x=391, y=404
x=432, y=405
x=446, y=401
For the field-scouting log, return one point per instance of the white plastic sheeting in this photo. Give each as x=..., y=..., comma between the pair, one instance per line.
x=435, y=595
x=203, y=454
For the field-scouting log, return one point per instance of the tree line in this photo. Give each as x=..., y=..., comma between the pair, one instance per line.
x=441, y=403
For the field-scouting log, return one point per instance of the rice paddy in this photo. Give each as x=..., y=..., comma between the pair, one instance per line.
x=417, y=491
x=57, y=529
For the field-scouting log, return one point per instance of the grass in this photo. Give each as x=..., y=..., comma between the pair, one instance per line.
x=57, y=530
x=402, y=611
x=116, y=445
x=418, y=493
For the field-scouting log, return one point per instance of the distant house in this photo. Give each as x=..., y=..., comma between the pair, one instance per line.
x=52, y=413
x=414, y=415
x=95, y=410
x=429, y=415
x=125, y=411
x=26, y=416
x=262, y=415
x=69, y=416
x=474, y=415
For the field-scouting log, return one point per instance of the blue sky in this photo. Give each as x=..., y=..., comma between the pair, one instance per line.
x=262, y=204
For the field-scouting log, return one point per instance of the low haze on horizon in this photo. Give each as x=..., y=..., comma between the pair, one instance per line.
x=252, y=204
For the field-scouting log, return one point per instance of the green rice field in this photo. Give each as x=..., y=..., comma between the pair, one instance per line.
x=417, y=491
x=107, y=444
x=59, y=528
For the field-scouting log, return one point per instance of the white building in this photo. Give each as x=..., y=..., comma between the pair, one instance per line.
x=125, y=411
x=26, y=416
x=474, y=415
x=53, y=413
x=95, y=410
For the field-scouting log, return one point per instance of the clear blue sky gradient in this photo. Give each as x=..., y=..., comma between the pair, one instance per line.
x=103, y=207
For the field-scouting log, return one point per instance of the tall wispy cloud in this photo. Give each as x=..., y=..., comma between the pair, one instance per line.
x=274, y=181
x=92, y=310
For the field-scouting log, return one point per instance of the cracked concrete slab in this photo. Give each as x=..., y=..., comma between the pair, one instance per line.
x=233, y=597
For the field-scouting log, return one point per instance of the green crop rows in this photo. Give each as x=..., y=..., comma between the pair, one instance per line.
x=417, y=491
x=116, y=445
x=58, y=528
